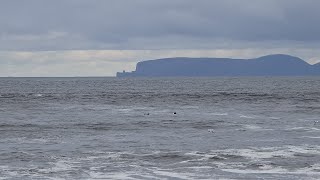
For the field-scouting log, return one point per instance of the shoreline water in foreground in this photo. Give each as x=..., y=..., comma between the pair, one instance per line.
x=111, y=128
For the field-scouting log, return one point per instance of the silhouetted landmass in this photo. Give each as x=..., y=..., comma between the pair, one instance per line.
x=271, y=65
x=316, y=65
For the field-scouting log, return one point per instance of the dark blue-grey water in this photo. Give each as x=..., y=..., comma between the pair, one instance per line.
x=109, y=128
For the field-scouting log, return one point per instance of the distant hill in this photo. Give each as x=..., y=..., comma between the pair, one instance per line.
x=271, y=65
x=317, y=65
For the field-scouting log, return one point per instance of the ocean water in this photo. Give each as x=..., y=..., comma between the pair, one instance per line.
x=173, y=128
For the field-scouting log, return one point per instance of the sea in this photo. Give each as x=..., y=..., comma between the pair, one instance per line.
x=160, y=128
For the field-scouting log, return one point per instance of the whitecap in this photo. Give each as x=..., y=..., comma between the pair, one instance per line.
x=247, y=117
x=312, y=137
x=168, y=173
x=190, y=107
x=219, y=114
x=252, y=127
x=100, y=175
x=310, y=129
x=265, y=170
x=275, y=118
x=60, y=165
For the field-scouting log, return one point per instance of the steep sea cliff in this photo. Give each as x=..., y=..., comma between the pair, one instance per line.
x=271, y=65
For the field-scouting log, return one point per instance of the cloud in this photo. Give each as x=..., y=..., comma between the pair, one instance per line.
x=99, y=38
x=166, y=24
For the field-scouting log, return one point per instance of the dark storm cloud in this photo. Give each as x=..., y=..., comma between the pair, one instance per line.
x=144, y=24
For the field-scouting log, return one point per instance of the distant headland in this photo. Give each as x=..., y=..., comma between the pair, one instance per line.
x=270, y=65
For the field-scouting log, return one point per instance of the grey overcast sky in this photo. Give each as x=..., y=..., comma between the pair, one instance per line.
x=100, y=37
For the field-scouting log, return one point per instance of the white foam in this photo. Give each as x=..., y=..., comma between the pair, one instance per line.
x=312, y=137
x=104, y=155
x=148, y=173
x=71, y=107
x=58, y=166
x=275, y=118
x=252, y=127
x=314, y=129
x=310, y=129
x=219, y=114
x=190, y=107
x=116, y=176
x=254, y=154
x=258, y=154
x=98, y=108
x=7, y=172
x=200, y=167
x=304, y=149
x=171, y=174
x=24, y=140
x=38, y=140
x=267, y=169
x=226, y=163
x=246, y=117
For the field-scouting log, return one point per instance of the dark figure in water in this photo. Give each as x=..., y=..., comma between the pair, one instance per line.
x=175, y=113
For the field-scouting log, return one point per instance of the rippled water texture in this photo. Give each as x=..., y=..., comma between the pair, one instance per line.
x=185, y=128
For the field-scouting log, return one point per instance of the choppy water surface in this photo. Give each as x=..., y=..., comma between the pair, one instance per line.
x=109, y=128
